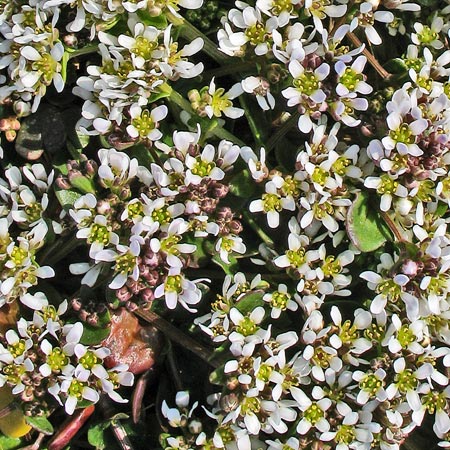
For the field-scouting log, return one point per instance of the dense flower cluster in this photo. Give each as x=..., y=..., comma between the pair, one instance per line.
x=279, y=191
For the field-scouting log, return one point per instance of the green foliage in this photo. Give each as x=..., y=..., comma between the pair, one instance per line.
x=365, y=227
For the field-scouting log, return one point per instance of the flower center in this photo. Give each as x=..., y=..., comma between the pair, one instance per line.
x=405, y=336
x=279, y=300
x=350, y=78
x=76, y=389
x=406, y=381
x=403, y=134
x=144, y=123
x=256, y=34
x=99, y=233
x=250, y=405
x=143, y=47
x=89, y=360
x=247, y=327
x=202, y=168
x=57, y=360
x=307, y=83
x=173, y=284
x=387, y=185
x=427, y=35
x=125, y=263
x=271, y=202
x=296, y=257
x=313, y=414
x=371, y=384
x=331, y=267
x=345, y=434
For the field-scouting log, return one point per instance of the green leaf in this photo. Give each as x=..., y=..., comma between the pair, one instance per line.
x=40, y=424
x=230, y=268
x=218, y=376
x=242, y=185
x=93, y=335
x=83, y=184
x=365, y=227
x=67, y=197
x=8, y=443
x=96, y=435
x=155, y=21
x=250, y=301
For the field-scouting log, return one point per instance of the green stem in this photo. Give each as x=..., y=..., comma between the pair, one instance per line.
x=58, y=251
x=264, y=237
x=251, y=122
x=217, y=131
x=189, y=32
x=229, y=69
x=86, y=50
x=282, y=131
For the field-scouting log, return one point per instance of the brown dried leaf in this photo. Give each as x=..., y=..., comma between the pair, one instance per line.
x=130, y=343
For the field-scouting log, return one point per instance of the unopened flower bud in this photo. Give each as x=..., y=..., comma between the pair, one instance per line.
x=91, y=167
x=10, y=135
x=62, y=183
x=22, y=109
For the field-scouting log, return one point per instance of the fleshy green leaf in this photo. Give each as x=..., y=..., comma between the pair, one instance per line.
x=365, y=227
x=83, y=184
x=93, y=335
x=40, y=424
x=96, y=435
x=249, y=302
x=9, y=443
x=67, y=197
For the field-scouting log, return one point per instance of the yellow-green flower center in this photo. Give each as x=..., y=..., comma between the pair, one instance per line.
x=307, y=83
x=279, y=300
x=144, y=123
x=17, y=348
x=345, y=434
x=271, y=202
x=143, y=47
x=99, y=233
x=250, y=405
x=371, y=384
x=173, y=283
x=33, y=211
x=331, y=267
x=350, y=78
x=427, y=35
x=264, y=372
x=256, y=34
x=402, y=134
x=161, y=215
x=125, y=263
x=76, y=389
x=387, y=185
x=202, y=168
x=57, y=359
x=406, y=381
x=220, y=102
x=247, y=327
x=89, y=360
x=313, y=414
x=296, y=257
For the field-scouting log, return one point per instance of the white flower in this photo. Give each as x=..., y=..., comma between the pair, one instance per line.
x=220, y=101
x=260, y=88
x=366, y=19
x=144, y=124
x=178, y=289
x=314, y=412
